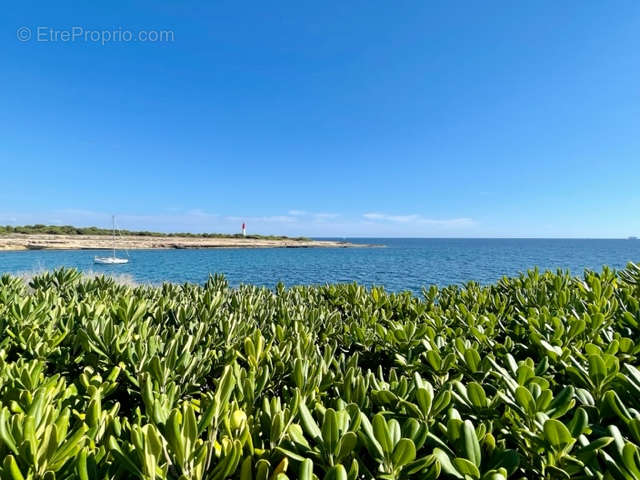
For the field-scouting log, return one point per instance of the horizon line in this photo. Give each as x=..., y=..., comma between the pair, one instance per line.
x=479, y=238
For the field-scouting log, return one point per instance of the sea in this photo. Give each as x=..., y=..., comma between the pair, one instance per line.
x=397, y=264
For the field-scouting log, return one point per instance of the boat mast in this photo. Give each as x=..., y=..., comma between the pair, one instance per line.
x=113, y=220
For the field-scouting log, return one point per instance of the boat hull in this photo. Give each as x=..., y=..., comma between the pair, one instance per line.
x=110, y=260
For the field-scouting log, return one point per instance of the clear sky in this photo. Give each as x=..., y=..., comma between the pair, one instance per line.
x=332, y=118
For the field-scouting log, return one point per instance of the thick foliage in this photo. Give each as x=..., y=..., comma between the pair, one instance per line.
x=533, y=377
x=71, y=230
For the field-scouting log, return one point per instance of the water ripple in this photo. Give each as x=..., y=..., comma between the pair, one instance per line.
x=405, y=264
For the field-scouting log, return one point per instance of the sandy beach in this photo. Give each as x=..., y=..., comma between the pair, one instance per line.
x=100, y=242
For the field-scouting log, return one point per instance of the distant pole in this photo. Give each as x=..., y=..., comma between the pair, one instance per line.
x=113, y=222
x=244, y=230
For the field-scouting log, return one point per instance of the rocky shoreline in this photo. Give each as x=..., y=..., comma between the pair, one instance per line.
x=102, y=242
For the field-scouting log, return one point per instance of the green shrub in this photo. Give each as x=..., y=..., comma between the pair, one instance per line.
x=532, y=377
x=71, y=230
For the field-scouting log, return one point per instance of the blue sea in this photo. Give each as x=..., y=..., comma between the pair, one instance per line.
x=401, y=264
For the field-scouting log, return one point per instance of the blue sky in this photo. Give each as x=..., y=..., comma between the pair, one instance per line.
x=453, y=118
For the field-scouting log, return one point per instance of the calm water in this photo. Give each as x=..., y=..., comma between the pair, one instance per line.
x=404, y=264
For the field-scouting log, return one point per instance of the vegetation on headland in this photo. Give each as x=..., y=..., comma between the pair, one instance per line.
x=39, y=229
x=532, y=377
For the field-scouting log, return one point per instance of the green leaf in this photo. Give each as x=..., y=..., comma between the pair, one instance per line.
x=352, y=474
x=557, y=434
x=369, y=438
x=246, y=472
x=382, y=434
x=477, y=395
x=69, y=448
x=446, y=464
x=557, y=472
x=403, y=453
x=189, y=428
x=465, y=467
x=495, y=475
x=471, y=444
x=123, y=459
x=306, y=470
x=615, y=405
x=309, y=424
x=597, y=369
x=288, y=453
x=424, y=398
x=11, y=467
x=552, y=350
x=525, y=400
x=81, y=465
x=336, y=473
x=579, y=423
x=297, y=436
x=590, y=449
x=629, y=457
x=562, y=402
x=472, y=357
x=346, y=445
x=330, y=430
x=262, y=469
x=5, y=434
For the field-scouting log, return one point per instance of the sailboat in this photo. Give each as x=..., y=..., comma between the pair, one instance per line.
x=112, y=260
